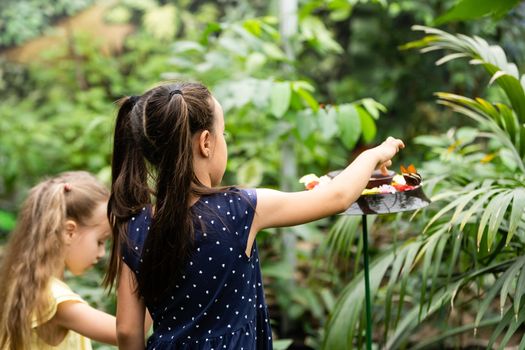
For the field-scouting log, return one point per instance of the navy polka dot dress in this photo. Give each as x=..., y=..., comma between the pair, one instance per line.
x=218, y=302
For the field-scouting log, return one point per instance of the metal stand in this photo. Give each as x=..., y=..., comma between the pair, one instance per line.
x=375, y=205
x=367, y=287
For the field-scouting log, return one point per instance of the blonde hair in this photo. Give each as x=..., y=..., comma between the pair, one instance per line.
x=35, y=251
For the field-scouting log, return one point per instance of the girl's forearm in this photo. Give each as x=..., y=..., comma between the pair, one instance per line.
x=349, y=184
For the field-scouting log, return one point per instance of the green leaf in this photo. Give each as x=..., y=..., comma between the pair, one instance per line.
x=282, y=344
x=438, y=340
x=349, y=124
x=497, y=207
x=343, y=319
x=520, y=291
x=495, y=288
x=428, y=249
x=516, y=215
x=306, y=123
x=510, y=275
x=502, y=324
x=477, y=205
x=327, y=119
x=511, y=330
x=368, y=125
x=306, y=97
x=373, y=107
x=394, y=274
x=316, y=33
x=472, y=9
x=492, y=57
x=411, y=319
x=412, y=250
x=280, y=98
x=7, y=221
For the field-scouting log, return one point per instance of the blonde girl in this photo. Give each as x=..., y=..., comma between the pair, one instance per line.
x=186, y=249
x=62, y=225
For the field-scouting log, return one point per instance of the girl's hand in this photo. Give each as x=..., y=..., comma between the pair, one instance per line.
x=386, y=151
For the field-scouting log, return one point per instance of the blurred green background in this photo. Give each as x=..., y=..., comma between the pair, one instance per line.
x=300, y=99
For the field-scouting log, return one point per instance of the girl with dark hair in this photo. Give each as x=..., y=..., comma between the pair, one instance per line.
x=61, y=225
x=184, y=248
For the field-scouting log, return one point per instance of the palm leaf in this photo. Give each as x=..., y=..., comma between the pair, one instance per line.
x=497, y=287
x=497, y=208
x=516, y=215
x=436, y=341
x=520, y=291
x=492, y=57
x=412, y=318
x=512, y=327
x=339, y=325
x=399, y=258
x=411, y=253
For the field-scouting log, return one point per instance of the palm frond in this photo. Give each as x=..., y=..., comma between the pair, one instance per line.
x=492, y=57
x=341, y=326
x=507, y=132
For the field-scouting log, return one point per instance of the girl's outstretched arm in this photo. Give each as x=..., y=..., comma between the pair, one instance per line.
x=131, y=313
x=277, y=209
x=86, y=320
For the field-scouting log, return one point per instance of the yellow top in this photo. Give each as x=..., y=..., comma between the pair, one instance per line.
x=59, y=293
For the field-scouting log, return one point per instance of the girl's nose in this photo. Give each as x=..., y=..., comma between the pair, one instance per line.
x=101, y=252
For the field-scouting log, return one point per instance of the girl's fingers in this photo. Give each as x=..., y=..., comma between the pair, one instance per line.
x=384, y=167
x=397, y=142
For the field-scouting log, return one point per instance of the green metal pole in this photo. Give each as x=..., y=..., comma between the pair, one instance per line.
x=367, y=288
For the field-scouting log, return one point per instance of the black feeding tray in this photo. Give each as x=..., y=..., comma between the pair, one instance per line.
x=384, y=203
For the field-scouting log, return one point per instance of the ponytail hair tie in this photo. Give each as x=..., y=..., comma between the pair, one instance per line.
x=67, y=187
x=175, y=92
x=133, y=99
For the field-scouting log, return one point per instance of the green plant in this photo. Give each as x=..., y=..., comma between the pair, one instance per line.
x=471, y=249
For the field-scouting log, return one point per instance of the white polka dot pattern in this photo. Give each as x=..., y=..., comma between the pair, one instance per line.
x=218, y=301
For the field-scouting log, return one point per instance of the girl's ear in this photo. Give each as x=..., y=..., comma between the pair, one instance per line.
x=70, y=230
x=205, y=143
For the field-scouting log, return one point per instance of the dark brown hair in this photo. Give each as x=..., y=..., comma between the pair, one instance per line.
x=153, y=163
x=35, y=252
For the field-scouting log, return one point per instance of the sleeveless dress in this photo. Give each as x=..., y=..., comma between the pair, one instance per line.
x=218, y=302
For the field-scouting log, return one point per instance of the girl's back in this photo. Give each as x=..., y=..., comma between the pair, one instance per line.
x=218, y=300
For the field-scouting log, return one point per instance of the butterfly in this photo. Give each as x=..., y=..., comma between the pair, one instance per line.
x=410, y=175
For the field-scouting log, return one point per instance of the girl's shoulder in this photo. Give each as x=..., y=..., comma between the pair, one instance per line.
x=57, y=292
x=232, y=197
x=61, y=292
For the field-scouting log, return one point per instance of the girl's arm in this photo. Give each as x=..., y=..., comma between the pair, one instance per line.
x=277, y=209
x=86, y=320
x=131, y=313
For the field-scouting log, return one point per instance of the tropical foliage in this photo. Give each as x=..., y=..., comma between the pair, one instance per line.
x=304, y=104
x=470, y=249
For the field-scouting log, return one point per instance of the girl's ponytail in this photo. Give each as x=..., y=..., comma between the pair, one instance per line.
x=129, y=189
x=158, y=127
x=170, y=238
